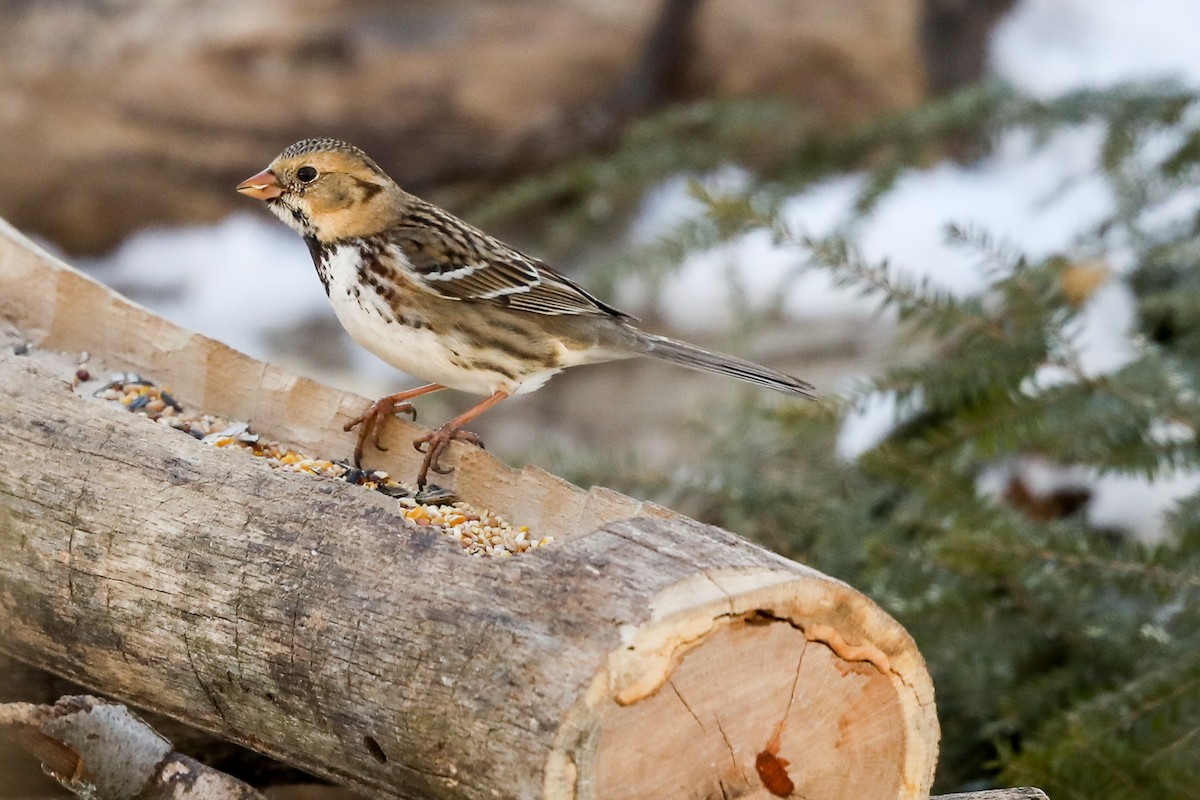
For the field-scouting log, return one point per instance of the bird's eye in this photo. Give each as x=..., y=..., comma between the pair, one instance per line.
x=307, y=174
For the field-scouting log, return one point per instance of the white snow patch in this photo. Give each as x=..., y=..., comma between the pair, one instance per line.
x=1101, y=333
x=1133, y=504
x=234, y=281
x=1039, y=476
x=1036, y=199
x=1048, y=47
x=1126, y=503
x=866, y=424
x=671, y=203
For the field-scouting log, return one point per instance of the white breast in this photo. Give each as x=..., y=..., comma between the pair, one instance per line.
x=371, y=322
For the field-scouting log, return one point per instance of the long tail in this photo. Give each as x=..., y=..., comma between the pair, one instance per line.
x=692, y=357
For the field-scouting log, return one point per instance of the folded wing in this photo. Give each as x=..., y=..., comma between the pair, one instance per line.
x=459, y=262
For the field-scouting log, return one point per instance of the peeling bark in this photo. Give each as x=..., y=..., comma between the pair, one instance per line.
x=101, y=751
x=1021, y=793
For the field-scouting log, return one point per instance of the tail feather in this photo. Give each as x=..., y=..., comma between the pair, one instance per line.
x=697, y=358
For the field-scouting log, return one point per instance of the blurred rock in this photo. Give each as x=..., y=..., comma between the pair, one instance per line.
x=121, y=114
x=848, y=60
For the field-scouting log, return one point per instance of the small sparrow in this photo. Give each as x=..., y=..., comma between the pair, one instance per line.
x=439, y=299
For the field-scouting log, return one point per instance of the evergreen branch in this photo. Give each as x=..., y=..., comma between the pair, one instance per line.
x=1104, y=565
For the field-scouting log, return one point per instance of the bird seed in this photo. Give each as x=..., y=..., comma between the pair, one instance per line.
x=478, y=533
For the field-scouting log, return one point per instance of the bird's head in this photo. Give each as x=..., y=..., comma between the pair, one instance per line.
x=328, y=190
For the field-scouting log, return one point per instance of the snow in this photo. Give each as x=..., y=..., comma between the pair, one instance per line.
x=1126, y=503
x=1133, y=504
x=867, y=423
x=1048, y=47
x=247, y=281
x=1034, y=198
x=217, y=280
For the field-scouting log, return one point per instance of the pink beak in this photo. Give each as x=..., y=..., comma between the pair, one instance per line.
x=263, y=186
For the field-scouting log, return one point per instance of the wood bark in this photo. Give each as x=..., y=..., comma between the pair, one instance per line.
x=1019, y=793
x=640, y=655
x=101, y=751
x=23, y=683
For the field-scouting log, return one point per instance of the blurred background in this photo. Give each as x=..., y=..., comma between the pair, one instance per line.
x=971, y=223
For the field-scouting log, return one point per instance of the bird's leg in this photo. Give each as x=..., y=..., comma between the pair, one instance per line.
x=434, y=443
x=371, y=420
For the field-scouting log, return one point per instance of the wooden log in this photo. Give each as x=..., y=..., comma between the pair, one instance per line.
x=101, y=751
x=640, y=655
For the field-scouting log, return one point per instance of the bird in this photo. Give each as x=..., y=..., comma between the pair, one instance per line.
x=441, y=300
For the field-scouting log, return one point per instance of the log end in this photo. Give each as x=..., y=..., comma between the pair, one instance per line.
x=754, y=684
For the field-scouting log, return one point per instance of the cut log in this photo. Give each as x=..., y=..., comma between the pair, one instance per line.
x=641, y=654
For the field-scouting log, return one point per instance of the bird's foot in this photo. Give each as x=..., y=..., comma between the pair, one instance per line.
x=371, y=422
x=434, y=443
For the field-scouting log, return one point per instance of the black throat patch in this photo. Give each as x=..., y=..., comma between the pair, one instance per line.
x=320, y=255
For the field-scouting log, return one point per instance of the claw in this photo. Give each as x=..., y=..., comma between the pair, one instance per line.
x=377, y=431
x=434, y=444
x=371, y=420
x=470, y=438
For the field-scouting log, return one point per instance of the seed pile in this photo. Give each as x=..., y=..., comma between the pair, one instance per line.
x=479, y=533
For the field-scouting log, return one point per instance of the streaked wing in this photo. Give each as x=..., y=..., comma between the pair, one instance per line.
x=456, y=261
